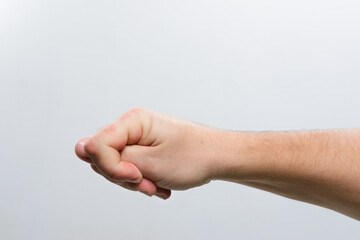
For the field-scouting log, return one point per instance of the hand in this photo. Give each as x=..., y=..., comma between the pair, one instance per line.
x=152, y=152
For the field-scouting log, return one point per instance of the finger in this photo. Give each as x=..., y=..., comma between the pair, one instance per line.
x=95, y=169
x=80, y=151
x=163, y=193
x=149, y=188
x=118, y=182
x=133, y=127
x=145, y=186
x=142, y=158
x=107, y=160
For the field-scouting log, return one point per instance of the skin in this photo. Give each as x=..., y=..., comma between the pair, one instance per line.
x=155, y=153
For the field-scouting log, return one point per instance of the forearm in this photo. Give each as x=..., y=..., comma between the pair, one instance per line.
x=320, y=167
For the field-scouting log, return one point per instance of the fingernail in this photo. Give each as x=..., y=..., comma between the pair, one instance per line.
x=146, y=193
x=82, y=149
x=138, y=180
x=162, y=196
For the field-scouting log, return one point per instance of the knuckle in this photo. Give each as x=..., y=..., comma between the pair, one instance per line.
x=133, y=112
x=92, y=146
x=111, y=128
x=136, y=110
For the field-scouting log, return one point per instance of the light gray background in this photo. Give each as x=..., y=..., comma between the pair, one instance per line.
x=69, y=67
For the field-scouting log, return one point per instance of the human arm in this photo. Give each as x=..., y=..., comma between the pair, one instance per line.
x=155, y=153
x=321, y=167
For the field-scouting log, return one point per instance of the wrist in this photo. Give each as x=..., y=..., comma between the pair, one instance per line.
x=237, y=157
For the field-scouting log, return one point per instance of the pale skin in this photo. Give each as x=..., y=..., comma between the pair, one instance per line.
x=155, y=153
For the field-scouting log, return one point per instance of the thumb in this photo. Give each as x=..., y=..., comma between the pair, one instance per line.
x=80, y=150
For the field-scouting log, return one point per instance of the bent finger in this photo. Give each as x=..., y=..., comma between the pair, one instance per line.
x=107, y=160
x=145, y=186
x=130, y=128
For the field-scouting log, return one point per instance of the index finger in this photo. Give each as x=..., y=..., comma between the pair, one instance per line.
x=108, y=161
x=103, y=148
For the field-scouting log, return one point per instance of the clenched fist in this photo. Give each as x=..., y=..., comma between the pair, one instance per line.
x=152, y=152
